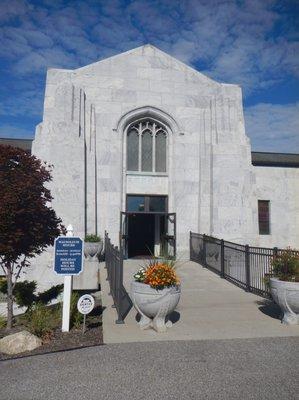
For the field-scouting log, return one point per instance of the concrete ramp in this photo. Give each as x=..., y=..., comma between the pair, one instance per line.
x=210, y=308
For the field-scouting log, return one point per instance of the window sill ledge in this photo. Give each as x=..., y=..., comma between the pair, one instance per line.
x=141, y=173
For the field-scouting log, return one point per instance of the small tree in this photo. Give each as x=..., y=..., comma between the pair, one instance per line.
x=27, y=224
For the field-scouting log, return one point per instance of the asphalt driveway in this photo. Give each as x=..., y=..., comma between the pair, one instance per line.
x=263, y=368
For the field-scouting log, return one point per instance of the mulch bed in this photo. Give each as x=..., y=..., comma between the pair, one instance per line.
x=61, y=341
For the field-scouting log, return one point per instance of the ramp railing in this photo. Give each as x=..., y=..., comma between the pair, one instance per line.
x=114, y=266
x=246, y=266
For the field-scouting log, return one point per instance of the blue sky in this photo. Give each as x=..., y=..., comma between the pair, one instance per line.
x=253, y=43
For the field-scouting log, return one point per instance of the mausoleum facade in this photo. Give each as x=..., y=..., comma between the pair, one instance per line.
x=148, y=149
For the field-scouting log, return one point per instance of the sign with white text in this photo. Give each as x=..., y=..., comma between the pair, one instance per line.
x=68, y=259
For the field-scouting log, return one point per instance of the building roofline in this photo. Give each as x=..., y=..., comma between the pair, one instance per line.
x=10, y=138
x=25, y=144
x=156, y=49
x=274, y=153
x=269, y=159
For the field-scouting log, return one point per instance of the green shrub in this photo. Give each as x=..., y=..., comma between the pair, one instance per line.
x=286, y=266
x=3, y=285
x=76, y=318
x=50, y=294
x=92, y=238
x=39, y=320
x=24, y=293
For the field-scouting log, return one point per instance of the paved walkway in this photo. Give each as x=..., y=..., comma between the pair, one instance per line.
x=210, y=308
x=247, y=369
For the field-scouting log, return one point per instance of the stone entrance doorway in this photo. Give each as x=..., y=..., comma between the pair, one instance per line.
x=146, y=228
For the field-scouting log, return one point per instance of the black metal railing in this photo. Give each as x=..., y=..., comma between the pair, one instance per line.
x=246, y=266
x=114, y=265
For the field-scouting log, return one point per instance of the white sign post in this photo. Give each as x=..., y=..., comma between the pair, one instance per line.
x=67, y=293
x=68, y=261
x=85, y=305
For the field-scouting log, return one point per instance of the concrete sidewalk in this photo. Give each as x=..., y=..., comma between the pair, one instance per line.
x=210, y=308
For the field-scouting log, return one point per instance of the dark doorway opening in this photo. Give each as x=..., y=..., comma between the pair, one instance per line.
x=141, y=231
x=146, y=228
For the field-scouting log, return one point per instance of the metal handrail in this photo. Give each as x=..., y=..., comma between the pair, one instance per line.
x=114, y=266
x=246, y=266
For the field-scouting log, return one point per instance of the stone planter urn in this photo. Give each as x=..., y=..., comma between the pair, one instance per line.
x=154, y=305
x=286, y=295
x=92, y=249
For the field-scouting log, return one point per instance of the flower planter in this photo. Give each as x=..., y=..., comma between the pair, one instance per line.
x=286, y=295
x=92, y=249
x=154, y=305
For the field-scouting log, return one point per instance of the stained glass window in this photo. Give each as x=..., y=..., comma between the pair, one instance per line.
x=132, y=150
x=160, y=152
x=146, y=147
x=147, y=152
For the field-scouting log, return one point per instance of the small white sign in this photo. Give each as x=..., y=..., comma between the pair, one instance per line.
x=85, y=304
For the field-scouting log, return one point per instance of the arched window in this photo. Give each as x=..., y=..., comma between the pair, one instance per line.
x=147, y=151
x=146, y=147
x=160, y=151
x=133, y=145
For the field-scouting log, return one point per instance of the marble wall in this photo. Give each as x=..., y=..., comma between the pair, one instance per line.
x=281, y=187
x=211, y=183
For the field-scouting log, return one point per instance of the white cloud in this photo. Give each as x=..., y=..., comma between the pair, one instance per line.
x=27, y=103
x=233, y=41
x=273, y=127
x=12, y=9
x=231, y=38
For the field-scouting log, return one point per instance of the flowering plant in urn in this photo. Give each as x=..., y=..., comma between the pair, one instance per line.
x=285, y=284
x=155, y=293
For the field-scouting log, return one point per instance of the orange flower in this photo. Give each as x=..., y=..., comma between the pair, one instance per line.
x=160, y=275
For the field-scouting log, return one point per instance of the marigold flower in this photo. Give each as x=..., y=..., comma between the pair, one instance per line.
x=160, y=275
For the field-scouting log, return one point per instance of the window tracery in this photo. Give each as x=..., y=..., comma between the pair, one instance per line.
x=147, y=147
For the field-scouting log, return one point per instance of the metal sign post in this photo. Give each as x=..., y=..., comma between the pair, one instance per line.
x=68, y=261
x=84, y=324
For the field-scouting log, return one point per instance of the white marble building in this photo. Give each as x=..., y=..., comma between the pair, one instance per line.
x=143, y=123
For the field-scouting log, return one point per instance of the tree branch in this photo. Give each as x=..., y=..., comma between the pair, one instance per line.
x=12, y=264
x=3, y=268
x=19, y=272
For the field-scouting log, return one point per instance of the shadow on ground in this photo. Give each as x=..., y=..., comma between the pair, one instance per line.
x=173, y=317
x=269, y=308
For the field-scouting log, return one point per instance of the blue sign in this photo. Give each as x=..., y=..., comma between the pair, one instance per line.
x=68, y=255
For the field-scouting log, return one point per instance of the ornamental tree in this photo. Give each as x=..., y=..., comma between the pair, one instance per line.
x=27, y=222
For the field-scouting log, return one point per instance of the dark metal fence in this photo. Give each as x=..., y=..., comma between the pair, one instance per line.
x=114, y=265
x=245, y=266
